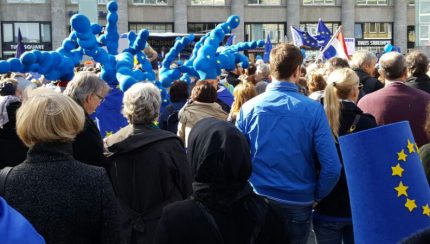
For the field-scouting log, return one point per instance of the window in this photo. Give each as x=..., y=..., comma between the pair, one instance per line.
x=200, y=28
x=377, y=31
x=98, y=1
x=27, y=1
x=155, y=2
x=259, y=31
x=422, y=10
x=311, y=28
x=207, y=2
x=372, y=2
x=265, y=2
x=318, y=2
x=8, y=32
x=32, y=32
x=151, y=27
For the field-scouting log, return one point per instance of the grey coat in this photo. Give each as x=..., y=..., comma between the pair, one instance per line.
x=65, y=200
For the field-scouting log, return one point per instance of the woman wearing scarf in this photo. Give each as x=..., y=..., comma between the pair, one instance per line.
x=223, y=207
x=12, y=150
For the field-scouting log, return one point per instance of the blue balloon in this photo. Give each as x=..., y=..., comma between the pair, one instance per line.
x=4, y=67
x=388, y=48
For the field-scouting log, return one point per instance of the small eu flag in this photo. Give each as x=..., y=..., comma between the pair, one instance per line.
x=267, y=49
x=389, y=193
x=108, y=116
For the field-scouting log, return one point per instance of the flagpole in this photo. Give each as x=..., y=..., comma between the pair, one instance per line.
x=328, y=43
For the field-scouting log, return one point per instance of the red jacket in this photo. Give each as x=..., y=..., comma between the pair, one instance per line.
x=397, y=102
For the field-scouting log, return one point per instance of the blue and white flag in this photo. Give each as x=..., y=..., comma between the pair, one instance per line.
x=302, y=38
x=267, y=49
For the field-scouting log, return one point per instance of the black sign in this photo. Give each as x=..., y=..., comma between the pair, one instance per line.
x=373, y=43
x=28, y=46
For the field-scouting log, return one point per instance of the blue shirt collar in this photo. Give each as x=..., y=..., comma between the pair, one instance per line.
x=282, y=86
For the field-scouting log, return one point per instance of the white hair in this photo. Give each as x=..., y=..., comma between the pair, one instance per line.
x=362, y=58
x=142, y=103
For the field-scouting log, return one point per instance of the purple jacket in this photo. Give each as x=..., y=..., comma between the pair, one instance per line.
x=397, y=102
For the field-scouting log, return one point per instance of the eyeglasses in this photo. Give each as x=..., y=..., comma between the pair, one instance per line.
x=100, y=97
x=360, y=86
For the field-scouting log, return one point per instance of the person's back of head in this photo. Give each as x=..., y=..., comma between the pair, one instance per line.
x=316, y=82
x=393, y=66
x=363, y=60
x=417, y=63
x=262, y=72
x=242, y=93
x=178, y=91
x=251, y=69
x=204, y=92
x=285, y=62
x=334, y=64
x=47, y=116
x=341, y=84
x=8, y=87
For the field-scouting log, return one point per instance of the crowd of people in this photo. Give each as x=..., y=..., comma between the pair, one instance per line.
x=250, y=157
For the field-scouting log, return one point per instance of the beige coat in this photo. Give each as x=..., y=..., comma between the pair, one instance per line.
x=190, y=114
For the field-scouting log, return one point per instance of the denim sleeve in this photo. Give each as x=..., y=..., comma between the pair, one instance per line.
x=327, y=155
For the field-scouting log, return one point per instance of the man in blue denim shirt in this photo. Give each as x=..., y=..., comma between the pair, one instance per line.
x=295, y=162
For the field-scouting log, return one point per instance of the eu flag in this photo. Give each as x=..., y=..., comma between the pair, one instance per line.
x=267, y=49
x=389, y=193
x=323, y=36
x=20, y=49
x=302, y=38
x=108, y=116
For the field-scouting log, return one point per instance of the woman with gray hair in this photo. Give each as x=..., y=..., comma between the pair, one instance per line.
x=89, y=91
x=148, y=166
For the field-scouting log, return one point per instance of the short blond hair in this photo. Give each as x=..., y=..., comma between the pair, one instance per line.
x=48, y=116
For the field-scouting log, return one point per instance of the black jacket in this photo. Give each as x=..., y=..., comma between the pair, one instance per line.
x=337, y=204
x=370, y=84
x=421, y=82
x=149, y=169
x=88, y=145
x=12, y=150
x=65, y=200
x=184, y=222
x=221, y=164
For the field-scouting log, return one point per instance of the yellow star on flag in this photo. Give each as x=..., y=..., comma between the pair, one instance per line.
x=411, y=147
x=401, y=190
x=402, y=156
x=410, y=204
x=108, y=133
x=426, y=210
x=397, y=170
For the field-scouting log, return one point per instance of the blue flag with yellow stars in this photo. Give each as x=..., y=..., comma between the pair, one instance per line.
x=389, y=193
x=108, y=116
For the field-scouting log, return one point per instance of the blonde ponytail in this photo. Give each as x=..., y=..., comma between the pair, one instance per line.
x=332, y=108
x=340, y=84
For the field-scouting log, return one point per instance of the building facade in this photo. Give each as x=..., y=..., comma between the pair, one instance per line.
x=373, y=23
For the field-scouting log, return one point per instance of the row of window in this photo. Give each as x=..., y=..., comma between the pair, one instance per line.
x=35, y=32
x=222, y=2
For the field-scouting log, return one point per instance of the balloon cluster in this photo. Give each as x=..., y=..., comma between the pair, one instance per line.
x=207, y=59
x=210, y=61
x=168, y=75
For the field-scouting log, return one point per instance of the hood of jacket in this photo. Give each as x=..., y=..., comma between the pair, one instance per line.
x=196, y=110
x=133, y=137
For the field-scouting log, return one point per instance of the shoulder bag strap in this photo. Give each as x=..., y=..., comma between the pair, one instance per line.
x=354, y=124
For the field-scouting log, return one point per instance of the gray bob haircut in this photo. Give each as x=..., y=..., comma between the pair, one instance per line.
x=362, y=58
x=84, y=84
x=142, y=103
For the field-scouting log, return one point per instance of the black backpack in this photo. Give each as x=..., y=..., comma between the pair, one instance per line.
x=172, y=120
